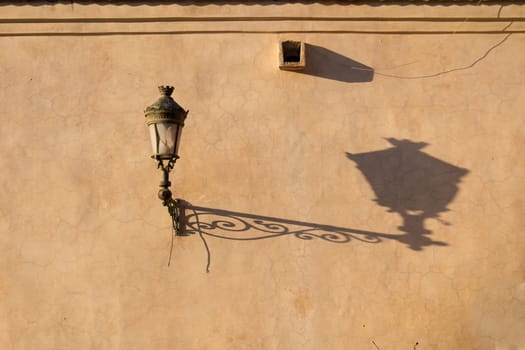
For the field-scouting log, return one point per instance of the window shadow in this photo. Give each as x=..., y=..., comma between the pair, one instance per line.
x=411, y=183
x=324, y=63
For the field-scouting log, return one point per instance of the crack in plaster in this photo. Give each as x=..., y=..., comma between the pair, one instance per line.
x=474, y=63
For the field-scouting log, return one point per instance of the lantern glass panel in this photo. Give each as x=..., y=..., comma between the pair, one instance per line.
x=164, y=139
x=177, y=140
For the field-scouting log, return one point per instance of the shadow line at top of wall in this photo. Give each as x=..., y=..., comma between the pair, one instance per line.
x=271, y=2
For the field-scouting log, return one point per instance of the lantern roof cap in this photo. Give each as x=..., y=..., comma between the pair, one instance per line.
x=165, y=107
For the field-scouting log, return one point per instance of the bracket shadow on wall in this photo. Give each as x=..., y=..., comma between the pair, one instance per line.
x=320, y=62
x=237, y=226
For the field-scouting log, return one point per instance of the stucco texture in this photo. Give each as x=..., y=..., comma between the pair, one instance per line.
x=372, y=201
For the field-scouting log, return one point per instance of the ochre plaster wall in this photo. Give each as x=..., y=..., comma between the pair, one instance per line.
x=436, y=260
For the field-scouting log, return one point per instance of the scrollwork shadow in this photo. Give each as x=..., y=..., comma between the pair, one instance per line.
x=237, y=226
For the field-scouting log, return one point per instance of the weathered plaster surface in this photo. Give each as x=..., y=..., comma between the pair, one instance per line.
x=85, y=242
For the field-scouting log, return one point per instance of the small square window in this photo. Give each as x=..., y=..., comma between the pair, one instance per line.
x=291, y=55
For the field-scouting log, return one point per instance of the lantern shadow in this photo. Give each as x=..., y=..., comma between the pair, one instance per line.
x=411, y=183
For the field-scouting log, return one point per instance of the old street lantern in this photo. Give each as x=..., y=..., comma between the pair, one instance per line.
x=165, y=120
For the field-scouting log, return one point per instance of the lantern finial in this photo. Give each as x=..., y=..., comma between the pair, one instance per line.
x=166, y=90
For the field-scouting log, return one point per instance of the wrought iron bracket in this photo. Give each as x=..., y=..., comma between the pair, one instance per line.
x=175, y=206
